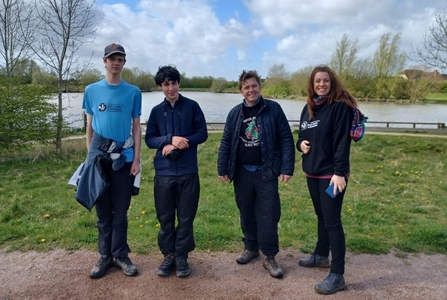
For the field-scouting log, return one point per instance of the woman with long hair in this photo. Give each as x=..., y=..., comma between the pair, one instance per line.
x=325, y=140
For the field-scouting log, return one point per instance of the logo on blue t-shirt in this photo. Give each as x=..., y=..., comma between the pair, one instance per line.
x=111, y=107
x=102, y=107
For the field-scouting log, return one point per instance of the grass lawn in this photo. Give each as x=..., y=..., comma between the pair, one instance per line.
x=437, y=96
x=395, y=200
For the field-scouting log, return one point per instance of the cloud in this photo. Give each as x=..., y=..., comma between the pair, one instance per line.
x=183, y=33
x=197, y=37
x=241, y=55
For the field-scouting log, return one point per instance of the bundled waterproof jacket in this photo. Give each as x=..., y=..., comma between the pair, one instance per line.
x=277, y=146
x=93, y=180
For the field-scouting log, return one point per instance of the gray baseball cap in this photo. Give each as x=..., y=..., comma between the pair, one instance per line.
x=113, y=49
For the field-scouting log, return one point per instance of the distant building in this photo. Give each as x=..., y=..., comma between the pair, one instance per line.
x=413, y=74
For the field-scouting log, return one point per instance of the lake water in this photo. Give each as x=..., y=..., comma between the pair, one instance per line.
x=216, y=107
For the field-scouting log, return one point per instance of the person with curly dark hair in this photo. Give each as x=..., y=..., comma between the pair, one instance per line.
x=175, y=128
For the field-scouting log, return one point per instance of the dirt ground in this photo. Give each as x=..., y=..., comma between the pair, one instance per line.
x=61, y=274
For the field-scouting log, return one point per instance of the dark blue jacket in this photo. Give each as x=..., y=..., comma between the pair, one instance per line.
x=185, y=119
x=277, y=146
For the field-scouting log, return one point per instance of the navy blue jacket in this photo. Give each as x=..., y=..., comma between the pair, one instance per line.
x=185, y=119
x=329, y=137
x=277, y=146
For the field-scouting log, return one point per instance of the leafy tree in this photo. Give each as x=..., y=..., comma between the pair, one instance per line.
x=388, y=61
x=278, y=72
x=383, y=88
x=145, y=81
x=233, y=84
x=442, y=87
x=184, y=81
x=219, y=85
x=277, y=81
x=195, y=81
x=201, y=82
x=24, y=70
x=27, y=115
x=63, y=27
x=282, y=88
x=87, y=76
x=43, y=78
x=344, y=57
x=361, y=83
x=420, y=88
x=136, y=76
x=401, y=88
x=298, y=81
x=128, y=75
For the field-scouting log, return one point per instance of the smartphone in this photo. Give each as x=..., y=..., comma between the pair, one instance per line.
x=330, y=191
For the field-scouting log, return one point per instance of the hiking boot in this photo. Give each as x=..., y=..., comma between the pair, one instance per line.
x=246, y=256
x=166, y=265
x=126, y=264
x=182, y=267
x=270, y=264
x=101, y=267
x=332, y=283
x=315, y=260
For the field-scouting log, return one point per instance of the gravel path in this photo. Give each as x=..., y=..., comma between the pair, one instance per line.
x=61, y=274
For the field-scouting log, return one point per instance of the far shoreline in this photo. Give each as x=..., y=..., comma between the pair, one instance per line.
x=293, y=97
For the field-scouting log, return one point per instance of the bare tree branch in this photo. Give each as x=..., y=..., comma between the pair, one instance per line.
x=433, y=52
x=65, y=25
x=16, y=33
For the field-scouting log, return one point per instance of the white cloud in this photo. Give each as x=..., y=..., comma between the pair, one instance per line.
x=184, y=33
x=193, y=36
x=241, y=55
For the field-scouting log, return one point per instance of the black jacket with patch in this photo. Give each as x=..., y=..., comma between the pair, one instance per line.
x=277, y=145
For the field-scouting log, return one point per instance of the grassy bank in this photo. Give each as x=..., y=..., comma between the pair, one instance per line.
x=395, y=200
x=441, y=97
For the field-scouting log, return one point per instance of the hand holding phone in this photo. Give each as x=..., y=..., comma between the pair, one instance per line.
x=330, y=190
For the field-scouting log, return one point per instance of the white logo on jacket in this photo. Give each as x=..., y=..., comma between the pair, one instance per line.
x=305, y=125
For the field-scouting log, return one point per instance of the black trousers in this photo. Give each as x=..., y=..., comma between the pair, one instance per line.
x=260, y=210
x=176, y=195
x=331, y=236
x=111, y=209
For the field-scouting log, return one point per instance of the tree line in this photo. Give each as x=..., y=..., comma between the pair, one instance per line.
x=376, y=77
x=40, y=42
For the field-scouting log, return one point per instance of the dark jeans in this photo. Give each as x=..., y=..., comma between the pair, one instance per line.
x=111, y=209
x=260, y=209
x=330, y=229
x=176, y=194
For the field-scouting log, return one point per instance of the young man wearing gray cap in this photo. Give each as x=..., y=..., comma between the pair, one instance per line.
x=113, y=110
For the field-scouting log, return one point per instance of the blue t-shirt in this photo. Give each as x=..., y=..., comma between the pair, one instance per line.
x=113, y=107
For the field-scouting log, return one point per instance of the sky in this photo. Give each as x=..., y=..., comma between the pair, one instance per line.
x=221, y=38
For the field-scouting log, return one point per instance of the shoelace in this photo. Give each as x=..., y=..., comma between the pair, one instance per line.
x=272, y=262
x=102, y=262
x=167, y=261
x=181, y=262
x=125, y=260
